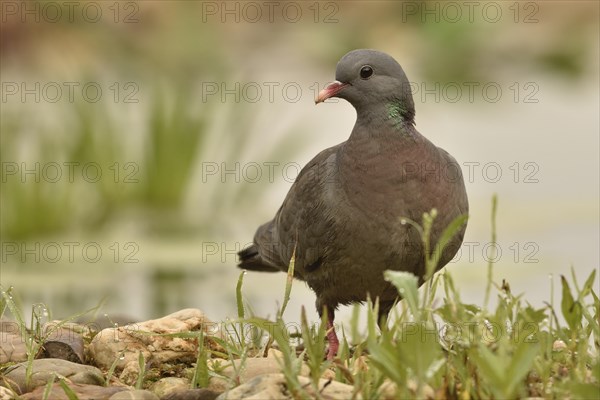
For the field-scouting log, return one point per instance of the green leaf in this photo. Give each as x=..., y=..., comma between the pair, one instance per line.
x=570, y=308
x=448, y=233
x=472, y=309
x=533, y=315
x=420, y=349
x=492, y=367
x=588, y=286
x=372, y=312
x=407, y=285
x=201, y=374
x=385, y=357
x=315, y=350
x=520, y=365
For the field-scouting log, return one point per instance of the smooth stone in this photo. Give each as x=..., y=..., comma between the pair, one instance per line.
x=12, y=348
x=124, y=344
x=12, y=345
x=134, y=395
x=305, y=371
x=252, y=367
x=274, y=387
x=389, y=389
x=7, y=394
x=82, y=392
x=191, y=394
x=64, y=341
x=45, y=369
x=164, y=386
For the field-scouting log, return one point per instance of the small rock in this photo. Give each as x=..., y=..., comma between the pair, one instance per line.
x=7, y=394
x=164, y=386
x=278, y=355
x=191, y=394
x=130, y=373
x=44, y=370
x=360, y=364
x=274, y=387
x=82, y=392
x=63, y=341
x=12, y=345
x=428, y=392
x=388, y=389
x=56, y=349
x=559, y=345
x=251, y=368
x=274, y=353
x=134, y=395
x=125, y=343
x=328, y=374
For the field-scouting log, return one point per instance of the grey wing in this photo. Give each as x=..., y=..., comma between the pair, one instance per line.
x=263, y=254
x=453, y=176
x=457, y=204
x=304, y=220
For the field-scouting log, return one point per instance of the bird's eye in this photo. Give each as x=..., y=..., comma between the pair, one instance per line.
x=366, y=71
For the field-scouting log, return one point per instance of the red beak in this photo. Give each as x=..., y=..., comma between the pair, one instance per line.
x=331, y=90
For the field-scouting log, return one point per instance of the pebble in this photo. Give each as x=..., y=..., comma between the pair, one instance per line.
x=274, y=387
x=44, y=370
x=82, y=392
x=122, y=345
x=12, y=345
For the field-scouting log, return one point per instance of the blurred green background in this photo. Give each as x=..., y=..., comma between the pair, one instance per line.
x=142, y=142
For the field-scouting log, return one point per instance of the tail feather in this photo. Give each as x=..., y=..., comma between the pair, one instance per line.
x=250, y=259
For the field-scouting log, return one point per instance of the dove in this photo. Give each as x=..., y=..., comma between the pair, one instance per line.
x=344, y=217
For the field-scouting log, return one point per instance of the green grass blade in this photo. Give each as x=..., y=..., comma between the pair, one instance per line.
x=201, y=373
x=490, y=367
x=448, y=233
x=240, y=308
x=571, y=309
x=48, y=389
x=71, y=395
x=488, y=287
x=407, y=285
x=520, y=365
x=112, y=368
x=238, y=296
x=142, y=367
x=288, y=283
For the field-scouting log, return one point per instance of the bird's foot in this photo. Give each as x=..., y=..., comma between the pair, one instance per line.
x=334, y=343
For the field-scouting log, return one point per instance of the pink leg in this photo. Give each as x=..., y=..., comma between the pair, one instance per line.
x=332, y=338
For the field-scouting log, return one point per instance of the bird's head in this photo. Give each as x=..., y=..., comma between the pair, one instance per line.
x=371, y=80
